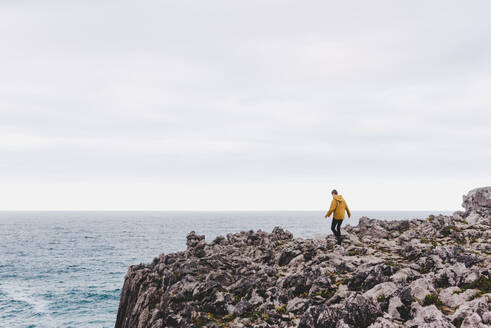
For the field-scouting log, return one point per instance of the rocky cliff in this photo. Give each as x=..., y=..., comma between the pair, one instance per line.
x=429, y=272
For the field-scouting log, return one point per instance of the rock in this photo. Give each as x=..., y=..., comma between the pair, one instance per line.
x=383, y=322
x=366, y=278
x=395, y=304
x=404, y=275
x=280, y=234
x=382, y=289
x=428, y=317
x=242, y=308
x=193, y=239
x=477, y=306
x=473, y=321
x=486, y=317
x=297, y=304
x=451, y=275
x=454, y=297
x=357, y=311
x=429, y=272
x=420, y=288
x=478, y=201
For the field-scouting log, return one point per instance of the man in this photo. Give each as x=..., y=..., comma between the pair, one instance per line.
x=338, y=206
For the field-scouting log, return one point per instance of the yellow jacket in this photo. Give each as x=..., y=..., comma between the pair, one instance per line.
x=338, y=206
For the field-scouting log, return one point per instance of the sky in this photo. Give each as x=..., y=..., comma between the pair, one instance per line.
x=244, y=105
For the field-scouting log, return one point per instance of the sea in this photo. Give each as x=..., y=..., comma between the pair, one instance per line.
x=66, y=269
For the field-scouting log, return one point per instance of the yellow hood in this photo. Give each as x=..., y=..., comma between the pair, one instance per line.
x=338, y=198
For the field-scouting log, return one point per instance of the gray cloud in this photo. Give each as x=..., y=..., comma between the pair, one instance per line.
x=239, y=92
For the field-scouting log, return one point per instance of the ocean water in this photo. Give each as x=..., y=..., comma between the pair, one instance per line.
x=65, y=269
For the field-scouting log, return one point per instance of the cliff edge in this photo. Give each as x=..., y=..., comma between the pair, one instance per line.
x=431, y=272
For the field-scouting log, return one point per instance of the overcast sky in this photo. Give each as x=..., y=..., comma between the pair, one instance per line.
x=262, y=104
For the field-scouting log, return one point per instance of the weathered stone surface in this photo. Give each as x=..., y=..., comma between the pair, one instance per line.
x=429, y=272
x=428, y=317
x=421, y=287
x=478, y=306
x=454, y=296
x=357, y=311
x=478, y=201
x=381, y=290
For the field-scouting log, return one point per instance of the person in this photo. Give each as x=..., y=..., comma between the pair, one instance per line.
x=338, y=207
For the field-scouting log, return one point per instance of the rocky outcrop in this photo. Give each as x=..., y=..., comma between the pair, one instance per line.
x=429, y=272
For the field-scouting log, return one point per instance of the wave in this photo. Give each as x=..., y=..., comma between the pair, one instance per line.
x=21, y=297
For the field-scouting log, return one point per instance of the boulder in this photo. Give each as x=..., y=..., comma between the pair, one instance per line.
x=477, y=201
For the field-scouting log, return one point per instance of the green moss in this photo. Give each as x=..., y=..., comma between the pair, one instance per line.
x=326, y=292
x=381, y=298
x=281, y=309
x=447, y=231
x=263, y=315
x=354, y=252
x=393, y=264
x=475, y=295
x=432, y=299
x=483, y=284
x=460, y=291
x=424, y=270
x=228, y=317
x=342, y=282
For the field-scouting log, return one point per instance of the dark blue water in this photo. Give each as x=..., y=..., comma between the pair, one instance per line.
x=65, y=269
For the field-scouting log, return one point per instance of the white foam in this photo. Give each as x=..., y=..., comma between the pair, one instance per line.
x=15, y=291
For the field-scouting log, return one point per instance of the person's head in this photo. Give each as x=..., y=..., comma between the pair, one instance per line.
x=334, y=192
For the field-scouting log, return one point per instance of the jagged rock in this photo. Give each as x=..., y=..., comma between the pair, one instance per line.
x=478, y=306
x=383, y=322
x=421, y=287
x=297, y=304
x=478, y=201
x=428, y=317
x=383, y=289
x=430, y=272
x=486, y=318
x=357, y=311
x=404, y=275
x=242, y=308
x=365, y=279
x=454, y=296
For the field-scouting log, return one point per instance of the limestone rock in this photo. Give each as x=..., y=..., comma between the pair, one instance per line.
x=428, y=272
x=478, y=201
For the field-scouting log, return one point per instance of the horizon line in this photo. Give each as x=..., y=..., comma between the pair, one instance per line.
x=217, y=210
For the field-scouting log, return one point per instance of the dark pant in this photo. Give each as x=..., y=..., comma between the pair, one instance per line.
x=336, y=227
